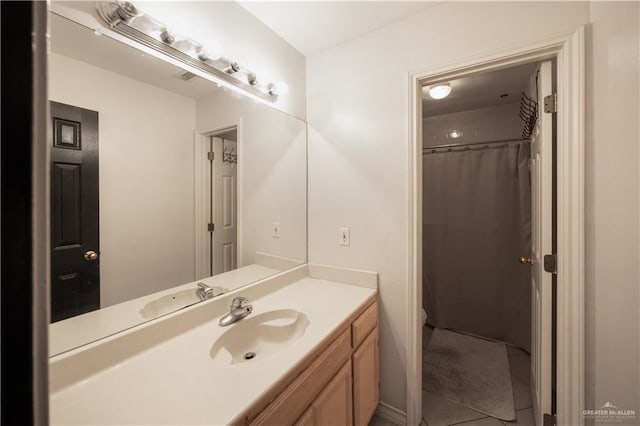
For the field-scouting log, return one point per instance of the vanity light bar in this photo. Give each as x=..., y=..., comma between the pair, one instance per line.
x=126, y=19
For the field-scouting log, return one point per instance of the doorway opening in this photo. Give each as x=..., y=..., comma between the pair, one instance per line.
x=488, y=215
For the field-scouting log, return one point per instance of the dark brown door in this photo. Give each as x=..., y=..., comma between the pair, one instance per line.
x=75, y=260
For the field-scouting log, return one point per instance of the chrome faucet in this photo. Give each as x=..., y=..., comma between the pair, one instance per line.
x=238, y=311
x=204, y=292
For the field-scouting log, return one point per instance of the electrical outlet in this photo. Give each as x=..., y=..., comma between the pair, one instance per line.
x=344, y=237
x=275, y=230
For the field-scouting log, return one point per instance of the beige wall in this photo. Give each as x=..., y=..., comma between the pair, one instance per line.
x=272, y=170
x=612, y=209
x=358, y=115
x=146, y=177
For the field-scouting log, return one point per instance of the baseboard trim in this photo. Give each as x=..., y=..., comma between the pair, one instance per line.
x=392, y=414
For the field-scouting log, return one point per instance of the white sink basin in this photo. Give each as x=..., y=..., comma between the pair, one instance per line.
x=174, y=301
x=256, y=337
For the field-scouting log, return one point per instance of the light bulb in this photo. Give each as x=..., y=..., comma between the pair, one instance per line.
x=167, y=37
x=439, y=91
x=210, y=51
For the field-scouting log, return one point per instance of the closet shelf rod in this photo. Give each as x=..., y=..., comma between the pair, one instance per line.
x=459, y=145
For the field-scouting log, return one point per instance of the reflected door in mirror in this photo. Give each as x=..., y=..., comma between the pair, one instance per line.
x=225, y=236
x=75, y=265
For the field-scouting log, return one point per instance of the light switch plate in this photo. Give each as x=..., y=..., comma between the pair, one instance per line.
x=275, y=229
x=344, y=236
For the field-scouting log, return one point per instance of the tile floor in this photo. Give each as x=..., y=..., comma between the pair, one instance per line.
x=438, y=411
x=379, y=421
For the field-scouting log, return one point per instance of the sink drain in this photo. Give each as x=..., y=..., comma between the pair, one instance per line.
x=249, y=355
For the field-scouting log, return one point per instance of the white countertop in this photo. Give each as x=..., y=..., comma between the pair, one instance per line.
x=176, y=382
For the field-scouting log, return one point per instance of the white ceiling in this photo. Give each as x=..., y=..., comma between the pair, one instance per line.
x=481, y=90
x=313, y=26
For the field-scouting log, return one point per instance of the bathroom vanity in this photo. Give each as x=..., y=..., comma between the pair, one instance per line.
x=338, y=387
x=313, y=333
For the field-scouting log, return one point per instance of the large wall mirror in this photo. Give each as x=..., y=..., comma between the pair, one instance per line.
x=166, y=189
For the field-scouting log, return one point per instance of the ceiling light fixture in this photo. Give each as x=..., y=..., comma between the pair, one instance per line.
x=126, y=19
x=439, y=91
x=455, y=134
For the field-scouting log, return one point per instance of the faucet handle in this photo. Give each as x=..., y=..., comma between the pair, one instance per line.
x=238, y=302
x=203, y=286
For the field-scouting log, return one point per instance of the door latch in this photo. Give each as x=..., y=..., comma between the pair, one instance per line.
x=551, y=263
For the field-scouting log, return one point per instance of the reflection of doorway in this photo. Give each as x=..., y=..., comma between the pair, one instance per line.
x=223, y=206
x=75, y=266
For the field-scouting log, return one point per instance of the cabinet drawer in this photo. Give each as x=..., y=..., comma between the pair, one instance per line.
x=363, y=325
x=297, y=396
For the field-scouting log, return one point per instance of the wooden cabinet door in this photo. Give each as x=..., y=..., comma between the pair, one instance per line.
x=307, y=418
x=365, y=379
x=333, y=406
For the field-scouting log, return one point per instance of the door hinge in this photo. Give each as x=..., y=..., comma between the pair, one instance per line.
x=210, y=227
x=549, y=420
x=210, y=156
x=551, y=103
x=551, y=263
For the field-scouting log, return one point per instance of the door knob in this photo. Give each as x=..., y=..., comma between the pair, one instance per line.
x=90, y=255
x=525, y=260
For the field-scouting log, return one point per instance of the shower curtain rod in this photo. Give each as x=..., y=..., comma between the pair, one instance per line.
x=462, y=145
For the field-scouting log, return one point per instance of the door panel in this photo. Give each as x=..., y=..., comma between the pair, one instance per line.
x=541, y=244
x=224, y=198
x=75, y=274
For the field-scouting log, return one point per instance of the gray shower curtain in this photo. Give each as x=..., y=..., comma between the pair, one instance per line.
x=477, y=223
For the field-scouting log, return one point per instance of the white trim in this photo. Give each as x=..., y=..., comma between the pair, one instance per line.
x=414, y=293
x=391, y=414
x=569, y=50
x=570, y=382
x=202, y=200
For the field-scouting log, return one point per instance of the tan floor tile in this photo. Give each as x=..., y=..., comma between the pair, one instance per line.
x=514, y=350
x=521, y=394
x=523, y=418
x=439, y=411
x=520, y=366
x=379, y=421
x=487, y=421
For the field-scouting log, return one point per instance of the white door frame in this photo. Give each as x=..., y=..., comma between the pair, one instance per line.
x=569, y=51
x=202, y=199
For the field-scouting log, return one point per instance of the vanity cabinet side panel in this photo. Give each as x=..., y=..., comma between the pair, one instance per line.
x=366, y=375
x=333, y=406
